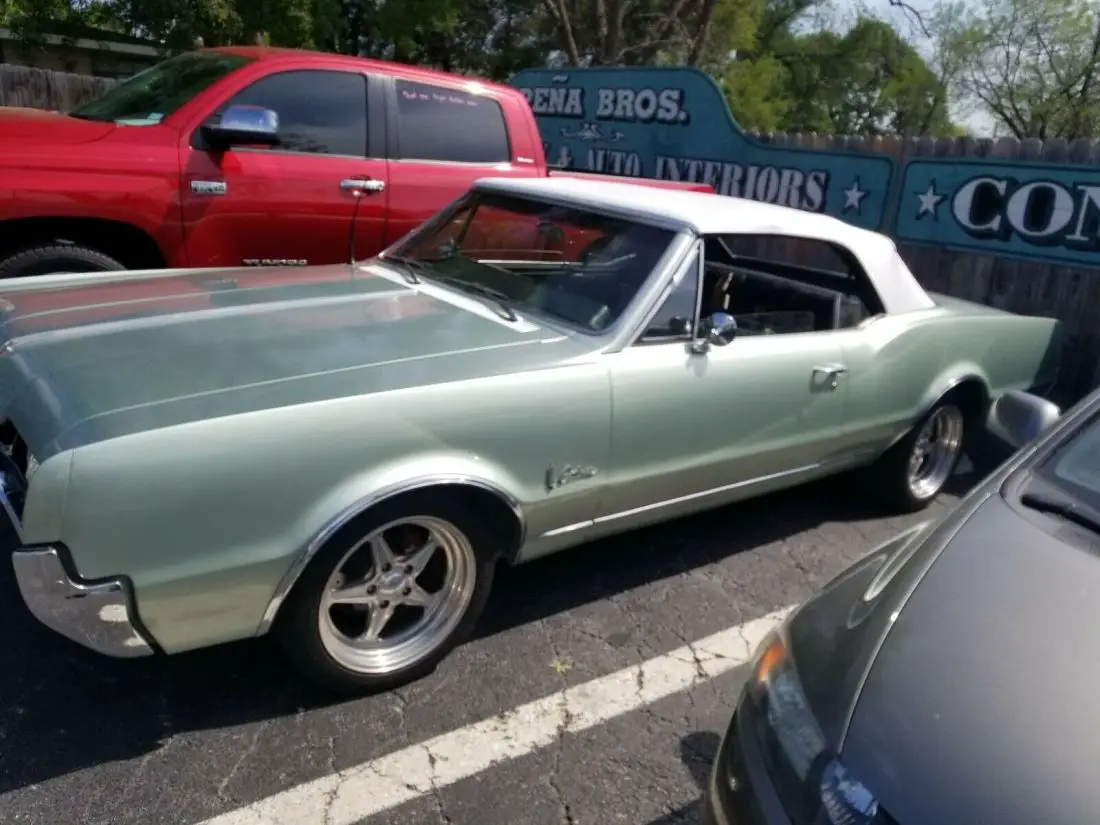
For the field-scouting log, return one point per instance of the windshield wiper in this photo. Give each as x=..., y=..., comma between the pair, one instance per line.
x=408, y=266
x=500, y=300
x=1059, y=506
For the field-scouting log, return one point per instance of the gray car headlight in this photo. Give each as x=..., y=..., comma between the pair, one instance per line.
x=808, y=774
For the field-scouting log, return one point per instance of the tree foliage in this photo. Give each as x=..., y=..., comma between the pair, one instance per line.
x=1034, y=65
x=776, y=75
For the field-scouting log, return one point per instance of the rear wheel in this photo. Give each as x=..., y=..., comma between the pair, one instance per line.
x=916, y=469
x=56, y=257
x=391, y=596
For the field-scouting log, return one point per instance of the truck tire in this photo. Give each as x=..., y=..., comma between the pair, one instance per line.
x=56, y=257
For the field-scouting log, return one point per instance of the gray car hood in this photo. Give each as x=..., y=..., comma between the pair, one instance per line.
x=977, y=707
x=90, y=360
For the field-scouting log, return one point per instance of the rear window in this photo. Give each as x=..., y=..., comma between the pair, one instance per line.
x=441, y=124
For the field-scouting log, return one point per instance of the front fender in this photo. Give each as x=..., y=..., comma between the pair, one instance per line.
x=359, y=494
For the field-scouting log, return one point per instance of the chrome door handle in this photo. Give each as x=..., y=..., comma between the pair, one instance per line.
x=832, y=373
x=362, y=185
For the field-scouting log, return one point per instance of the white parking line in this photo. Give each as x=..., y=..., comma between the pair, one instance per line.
x=418, y=770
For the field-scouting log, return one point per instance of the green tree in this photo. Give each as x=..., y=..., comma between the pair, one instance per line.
x=1033, y=64
x=645, y=32
x=868, y=81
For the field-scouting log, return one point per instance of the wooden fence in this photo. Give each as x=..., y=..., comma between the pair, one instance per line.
x=41, y=89
x=1069, y=293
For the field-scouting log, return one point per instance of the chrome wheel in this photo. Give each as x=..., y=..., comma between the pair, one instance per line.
x=397, y=595
x=935, y=452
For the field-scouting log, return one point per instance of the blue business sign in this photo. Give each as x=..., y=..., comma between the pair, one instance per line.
x=675, y=124
x=1038, y=211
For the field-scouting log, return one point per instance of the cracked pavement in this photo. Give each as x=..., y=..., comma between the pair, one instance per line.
x=176, y=741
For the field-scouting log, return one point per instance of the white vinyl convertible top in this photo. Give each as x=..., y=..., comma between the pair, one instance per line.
x=712, y=214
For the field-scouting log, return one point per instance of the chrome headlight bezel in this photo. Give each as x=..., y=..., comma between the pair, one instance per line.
x=806, y=769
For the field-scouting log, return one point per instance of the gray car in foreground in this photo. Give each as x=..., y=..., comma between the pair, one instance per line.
x=950, y=676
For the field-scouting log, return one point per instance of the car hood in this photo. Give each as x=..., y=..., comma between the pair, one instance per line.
x=95, y=357
x=978, y=704
x=20, y=125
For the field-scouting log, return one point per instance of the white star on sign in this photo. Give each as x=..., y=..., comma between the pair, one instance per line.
x=929, y=201
x=853, y=196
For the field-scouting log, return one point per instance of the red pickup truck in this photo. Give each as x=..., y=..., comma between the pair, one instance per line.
x=255, y=157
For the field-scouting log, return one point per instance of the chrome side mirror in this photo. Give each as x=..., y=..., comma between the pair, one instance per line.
x=715, y=331
x=243, y=125
x=1017, y=418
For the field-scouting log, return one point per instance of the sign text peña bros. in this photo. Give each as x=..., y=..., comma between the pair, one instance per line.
x=674, y=124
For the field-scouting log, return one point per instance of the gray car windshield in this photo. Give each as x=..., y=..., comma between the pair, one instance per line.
x=1073, y=469
x=150, y=96
x=570, y=265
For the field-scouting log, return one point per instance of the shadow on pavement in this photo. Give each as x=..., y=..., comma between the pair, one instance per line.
x=697, y=751
x=614, y=565
x=63, y=708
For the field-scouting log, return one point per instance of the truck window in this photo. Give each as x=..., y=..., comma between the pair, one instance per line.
x=322, y=112
x=441, y=124
x=150, y=96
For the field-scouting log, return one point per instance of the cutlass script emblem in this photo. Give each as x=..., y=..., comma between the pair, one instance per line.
x=568, y=474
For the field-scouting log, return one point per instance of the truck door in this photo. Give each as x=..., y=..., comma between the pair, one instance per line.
x=446, y=135
x=295, y=202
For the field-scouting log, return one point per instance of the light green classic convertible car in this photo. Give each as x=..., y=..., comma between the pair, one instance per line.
x=342, y=455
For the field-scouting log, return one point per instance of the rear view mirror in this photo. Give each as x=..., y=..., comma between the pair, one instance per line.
x=1017, y=418
x=243, y=126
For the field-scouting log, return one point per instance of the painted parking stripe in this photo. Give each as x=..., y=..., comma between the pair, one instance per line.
x=416, y=771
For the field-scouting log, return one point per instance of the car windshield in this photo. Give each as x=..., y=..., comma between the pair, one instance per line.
x=150, y=96
x=569, y=265
x=1071, y=474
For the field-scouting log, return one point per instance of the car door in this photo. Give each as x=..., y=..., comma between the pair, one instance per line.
x=692, y=429
x=444, y=136
x=296, y=202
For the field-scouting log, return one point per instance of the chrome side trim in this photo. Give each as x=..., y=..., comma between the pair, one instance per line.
x=657, y=505
x=305, y=556
x=99, y=616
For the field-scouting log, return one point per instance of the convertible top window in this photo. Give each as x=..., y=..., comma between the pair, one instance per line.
x=580, y=268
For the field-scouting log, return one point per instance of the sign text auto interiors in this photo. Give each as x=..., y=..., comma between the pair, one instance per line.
x=789, y=186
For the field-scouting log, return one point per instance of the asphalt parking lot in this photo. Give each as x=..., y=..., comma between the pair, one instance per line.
x=528, y=722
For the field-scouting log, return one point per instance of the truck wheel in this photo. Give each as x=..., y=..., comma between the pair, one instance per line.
x=390, y=595
x=51, y=258
x=914, y=471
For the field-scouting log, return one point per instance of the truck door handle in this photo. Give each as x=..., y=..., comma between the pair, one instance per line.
x=832, y=373
x=362, y=185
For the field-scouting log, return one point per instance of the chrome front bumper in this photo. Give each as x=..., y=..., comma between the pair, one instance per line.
x=99, y=615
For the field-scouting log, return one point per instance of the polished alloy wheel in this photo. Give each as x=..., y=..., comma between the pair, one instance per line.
x=936, y=451
x=397, y=595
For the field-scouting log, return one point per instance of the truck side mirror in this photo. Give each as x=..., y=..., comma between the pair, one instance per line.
x=242, y=125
